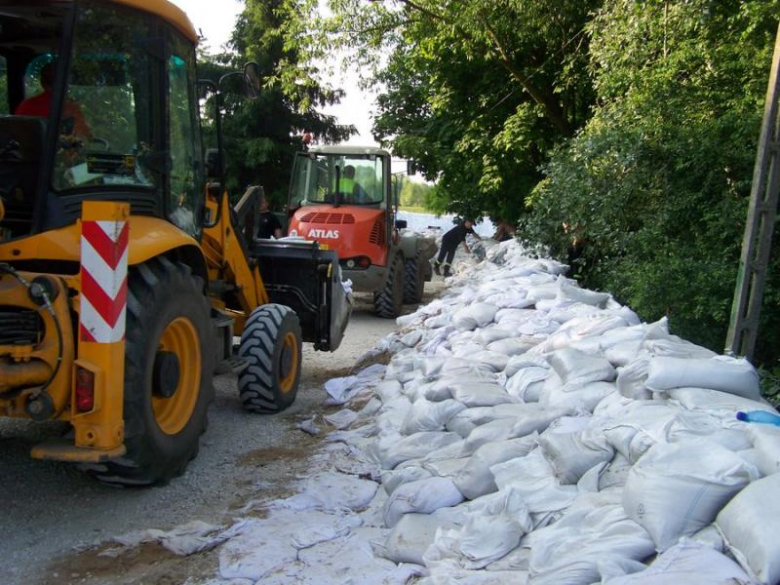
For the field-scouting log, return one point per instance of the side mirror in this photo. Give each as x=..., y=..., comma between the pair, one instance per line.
x=252, y=80
x=400, y=224
x=214, y=163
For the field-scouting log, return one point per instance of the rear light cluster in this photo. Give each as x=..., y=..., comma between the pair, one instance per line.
x=85, y=390
x=356, y=263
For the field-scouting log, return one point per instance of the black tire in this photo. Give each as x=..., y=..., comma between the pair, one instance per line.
x=271, y=346
x=389, y=301
x=414, y=281
x=165, y=301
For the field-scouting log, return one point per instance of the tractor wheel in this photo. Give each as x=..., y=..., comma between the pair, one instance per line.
x=169, y=361
x=388, y=301
x=271, y=346
x=414, y=281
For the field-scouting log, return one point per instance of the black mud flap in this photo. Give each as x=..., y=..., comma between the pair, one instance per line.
x=307, y=279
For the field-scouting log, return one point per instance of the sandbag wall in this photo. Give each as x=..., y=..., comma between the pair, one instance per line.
x=530, y=431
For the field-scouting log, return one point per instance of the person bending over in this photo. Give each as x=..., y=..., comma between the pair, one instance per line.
x=449, y=243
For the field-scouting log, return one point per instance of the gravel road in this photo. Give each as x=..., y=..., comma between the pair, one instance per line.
x=51, y=511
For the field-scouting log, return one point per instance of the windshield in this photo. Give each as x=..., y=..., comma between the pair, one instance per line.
x=106, y=132
x=339, y=179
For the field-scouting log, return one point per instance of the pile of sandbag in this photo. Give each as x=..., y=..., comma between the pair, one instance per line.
x=531, y=431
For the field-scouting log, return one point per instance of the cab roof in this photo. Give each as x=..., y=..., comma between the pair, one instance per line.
x=347, y=150
x=168, y=12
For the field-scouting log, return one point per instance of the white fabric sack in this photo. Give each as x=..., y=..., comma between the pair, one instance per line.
x=396, y=477
x=466, y=421
x=688, y=563
x=576, y=368
x=497, y=430
x=637, y=427
x=393, y=414
x=493, y=333
x=750, y=525
x=615, y=473
x=533, y=478
x=445, y=467
x=388, y=390
x=494, y=360
x=430, y=416
x=476, y=479
x=593, y=535
x=766, y=442
x=677, y=489
x=632, y=378
x=571, y=292
x=673, y=346
x=519, y=362
x=432, y=365
x=479, y=394
x=574, y=398
x=513, y=346
x=473, y=316
x=412, y=536
x=487, y=538
x=395, y=451
x=572, y=454
x=706, y=399
x=423, y=496
x=721, y=373
x=526, y=385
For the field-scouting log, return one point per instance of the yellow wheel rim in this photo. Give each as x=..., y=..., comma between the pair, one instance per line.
x=172, y=414
x=288, y=367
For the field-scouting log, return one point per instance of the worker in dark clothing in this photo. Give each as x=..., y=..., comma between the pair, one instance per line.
x=268, y=224
x=449, y=243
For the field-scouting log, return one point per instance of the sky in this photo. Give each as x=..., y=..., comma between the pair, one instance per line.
x=215, y=20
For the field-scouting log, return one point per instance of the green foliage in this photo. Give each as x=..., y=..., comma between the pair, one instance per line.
x=649, y=199
x=476, y=92
x=262, y=136
x=414, y=194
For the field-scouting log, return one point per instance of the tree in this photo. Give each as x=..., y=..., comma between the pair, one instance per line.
x=649, y=200
x=262, y=136
x=477, y=92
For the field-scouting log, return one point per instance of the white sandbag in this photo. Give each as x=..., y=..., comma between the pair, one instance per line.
x=497, y=430
x=388, y=390
x=460, y=368
x=432, y=365
x=446, y=467
x=534, y=479
x=430, y=416
x=473, y=316
x=637, y=426
x=615, y=473
x=580, y=327
x=570, y=292
x=721, y=373
x=424, y=496
x=494, y=360
x=750, y=524
x=575, y=367
x=487, y=538
x=673, y=346
x=479, y=394
x=575, y=398
x=688, y=563
x=706, y=399
x=526, y=385
x=493, y=333
x=766, y=442
x=675, y=490
x=412, y=536
x=413, y=447
x=513, y=346
x=568, y=311
x=412, y=338
x=438, y=321
x=466, y=421
x=572, y=454
x=594, y=535
x=393, y=414
x=395, y=477
x=520, y=362
x=476, y=479
x=632, y=378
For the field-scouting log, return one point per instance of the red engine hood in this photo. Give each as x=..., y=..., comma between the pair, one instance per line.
x=350, y=230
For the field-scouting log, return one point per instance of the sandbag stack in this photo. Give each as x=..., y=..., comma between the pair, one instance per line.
x=540, y=433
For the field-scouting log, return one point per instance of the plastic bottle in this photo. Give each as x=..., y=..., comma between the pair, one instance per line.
x=759, y=416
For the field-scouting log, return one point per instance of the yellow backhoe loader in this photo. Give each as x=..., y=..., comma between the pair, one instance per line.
x=124, y=271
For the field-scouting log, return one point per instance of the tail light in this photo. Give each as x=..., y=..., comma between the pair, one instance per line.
x=364, y=262
x=85, y=390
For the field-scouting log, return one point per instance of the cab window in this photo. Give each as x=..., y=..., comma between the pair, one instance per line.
x=4, y=109
x=185, y=180
x=107, y=121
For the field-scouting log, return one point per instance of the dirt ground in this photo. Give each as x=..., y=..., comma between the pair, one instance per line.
x=56, y=523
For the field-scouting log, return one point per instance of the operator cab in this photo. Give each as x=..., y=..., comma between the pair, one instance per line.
x=96, y=100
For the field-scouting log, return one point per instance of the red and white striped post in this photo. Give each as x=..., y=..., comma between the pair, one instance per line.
x=100, y=364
